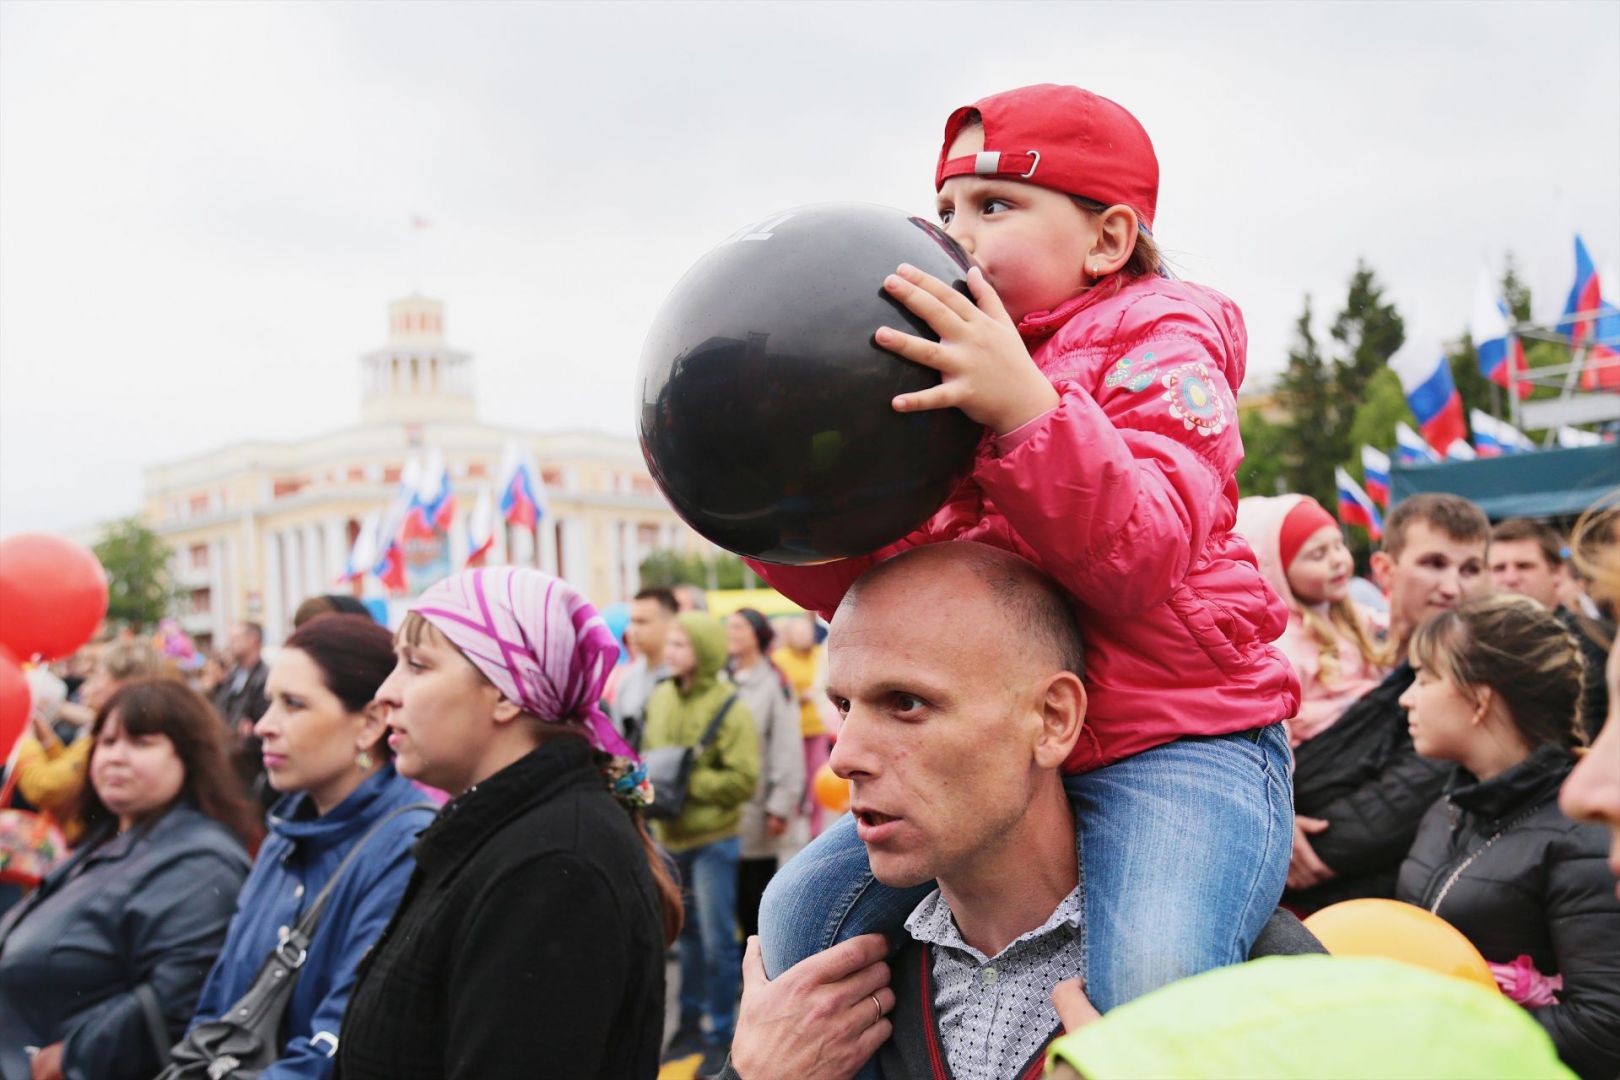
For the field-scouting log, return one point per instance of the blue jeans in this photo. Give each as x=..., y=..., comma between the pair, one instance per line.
x=711, y=963
x=1184, y=851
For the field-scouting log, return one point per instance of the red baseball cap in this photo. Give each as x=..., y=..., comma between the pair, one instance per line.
x=1060, y=137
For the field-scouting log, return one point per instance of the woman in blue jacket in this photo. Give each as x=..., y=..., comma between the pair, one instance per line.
x=324, y=750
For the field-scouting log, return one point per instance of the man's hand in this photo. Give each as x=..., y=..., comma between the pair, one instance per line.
x=1305, y=869
x=1072, y=1005
x=822, y=1019
x=775, y=827
x=984, y=368
x=47, y=1064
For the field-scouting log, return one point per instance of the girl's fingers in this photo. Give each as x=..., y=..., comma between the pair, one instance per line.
x=921, y=350
x=983, y=292
x=943, y=396
x=929, y=298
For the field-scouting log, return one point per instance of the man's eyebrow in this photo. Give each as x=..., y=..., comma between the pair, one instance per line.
x=919, y=685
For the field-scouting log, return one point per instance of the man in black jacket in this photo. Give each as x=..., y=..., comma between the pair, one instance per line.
x=1527, y=557
x=1360, y=789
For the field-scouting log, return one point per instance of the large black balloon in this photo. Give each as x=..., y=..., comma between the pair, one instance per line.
x=765, y=402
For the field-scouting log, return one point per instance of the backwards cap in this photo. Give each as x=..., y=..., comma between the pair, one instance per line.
x=1059, y=137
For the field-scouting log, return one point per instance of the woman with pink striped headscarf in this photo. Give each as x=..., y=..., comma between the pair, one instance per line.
x=532, y=934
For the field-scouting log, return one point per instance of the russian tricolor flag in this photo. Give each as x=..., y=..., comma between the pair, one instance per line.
x=389, y=567
x=1591, y=323
x=1355, y=507
x=480, y=529
x=1493, y=437
x=1501, y=355
x=433, y=504
x=1375, y=474
x=1460, y=450
x=363, y=553
x=1426, y=378
x=522, y=502
x=1410, y=449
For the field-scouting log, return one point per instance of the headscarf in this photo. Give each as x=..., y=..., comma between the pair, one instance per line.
x=536, y=639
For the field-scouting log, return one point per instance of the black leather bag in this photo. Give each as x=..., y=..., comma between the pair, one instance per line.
x=248, y=1038
x=669, y=768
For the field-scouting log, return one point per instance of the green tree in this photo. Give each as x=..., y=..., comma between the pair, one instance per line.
x=1308, y=391
x=1263, y=443
x=140, y=590
x=1369, y=331
x=1515, y=292
x=665, y=568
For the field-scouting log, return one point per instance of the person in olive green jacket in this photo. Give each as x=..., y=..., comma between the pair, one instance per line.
x=704, y=839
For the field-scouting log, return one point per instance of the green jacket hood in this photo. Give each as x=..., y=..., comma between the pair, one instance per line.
x=708, y=642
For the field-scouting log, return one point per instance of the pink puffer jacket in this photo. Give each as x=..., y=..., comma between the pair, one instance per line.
x=1126, y=494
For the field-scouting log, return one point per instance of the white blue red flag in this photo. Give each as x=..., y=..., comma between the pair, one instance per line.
x=1460, y=450
x=363, y=552
x=1592, y=323
x=389, y=567
x=1375, y=474
x=1493, y=437
x=1356, y=507
x=1425, y=377
x=480, y=528
x=1410, y=449
x=433, y=504
x=1574, y=436
x=1501, y=354
x=522, y=500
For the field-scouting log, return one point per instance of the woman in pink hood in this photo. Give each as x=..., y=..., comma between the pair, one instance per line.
x=1329, y=638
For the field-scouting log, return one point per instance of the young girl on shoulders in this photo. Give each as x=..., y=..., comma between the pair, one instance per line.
x=1110, y=457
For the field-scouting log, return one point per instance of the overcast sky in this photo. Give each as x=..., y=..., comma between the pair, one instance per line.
x=204, y=208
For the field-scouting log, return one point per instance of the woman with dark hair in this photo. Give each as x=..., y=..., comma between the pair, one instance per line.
x=765, y=817
x=323, y=745
x=101, y=965
x=1497, y=692
x=531, y=938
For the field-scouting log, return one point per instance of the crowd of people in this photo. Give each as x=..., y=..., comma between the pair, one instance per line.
x=1108, y=732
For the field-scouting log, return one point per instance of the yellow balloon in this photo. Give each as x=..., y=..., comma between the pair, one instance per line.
x=1398, y=931
x=830, y=790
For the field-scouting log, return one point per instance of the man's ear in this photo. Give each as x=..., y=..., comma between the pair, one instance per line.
x=1063, y=714
x=1383, y=570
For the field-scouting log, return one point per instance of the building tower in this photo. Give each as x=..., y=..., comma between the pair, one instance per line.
x=416, y=376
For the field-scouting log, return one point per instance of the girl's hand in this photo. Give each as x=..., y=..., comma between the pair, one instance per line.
x=1072, y=1005
x=47, y=1064
x=985, y=370
x=1305, y=867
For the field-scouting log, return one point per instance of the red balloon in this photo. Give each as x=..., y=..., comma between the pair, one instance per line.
x=15, y=700
x=53, y=595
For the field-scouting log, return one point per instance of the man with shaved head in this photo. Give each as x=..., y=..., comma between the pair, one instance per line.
x=956, y=669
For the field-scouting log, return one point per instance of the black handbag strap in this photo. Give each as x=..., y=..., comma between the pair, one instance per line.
x=294, y=946
x=713, y=730
x=152, y=1014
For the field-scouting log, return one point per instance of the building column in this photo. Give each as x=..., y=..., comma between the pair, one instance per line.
x=550, y=557
x=218, y=605
x=337, y=549
x=321, y=572
x=274, y=602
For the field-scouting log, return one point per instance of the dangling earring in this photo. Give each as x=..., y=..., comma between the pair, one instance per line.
x=363, y=759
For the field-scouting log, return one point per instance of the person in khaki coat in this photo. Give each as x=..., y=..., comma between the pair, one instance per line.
x=704, y=839
x=767, y=816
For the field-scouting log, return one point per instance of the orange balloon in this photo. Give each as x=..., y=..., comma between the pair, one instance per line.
x=830, y=790
x=1398, y=931
x=15, y=700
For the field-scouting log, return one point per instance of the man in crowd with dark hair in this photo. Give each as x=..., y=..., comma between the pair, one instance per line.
x=652, y=613
x=1359, y=787
x=240, y=701
x=1527, y=557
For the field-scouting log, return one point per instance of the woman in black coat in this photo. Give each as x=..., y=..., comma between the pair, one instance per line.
x=1498, y=684
x=530, y=940
x=101, y=966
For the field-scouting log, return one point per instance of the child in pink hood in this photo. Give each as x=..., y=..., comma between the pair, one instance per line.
x=1110, y=457
x=1330, y=637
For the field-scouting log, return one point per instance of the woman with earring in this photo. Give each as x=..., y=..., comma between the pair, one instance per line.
x=1497, y=689
x=324, y=747
x=531, y=939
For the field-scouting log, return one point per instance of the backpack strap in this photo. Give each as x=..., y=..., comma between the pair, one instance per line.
x=713, y=730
